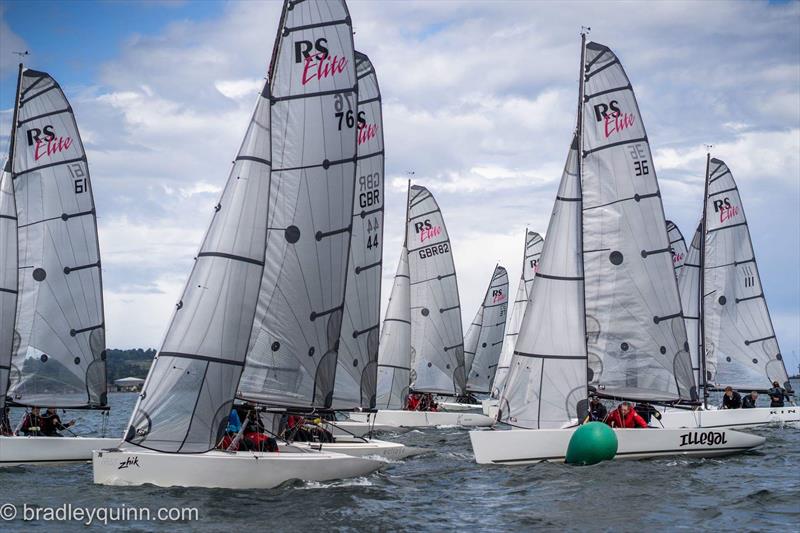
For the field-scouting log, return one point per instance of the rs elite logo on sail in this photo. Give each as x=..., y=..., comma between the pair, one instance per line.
x=498, y=296
x=613, y=118
x=725, y=209
x=427, y=231
x=45, y=142
x=317, y=61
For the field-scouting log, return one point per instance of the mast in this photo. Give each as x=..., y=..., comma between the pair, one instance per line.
x=12, y=143
x=701, y=329
x=579, y=137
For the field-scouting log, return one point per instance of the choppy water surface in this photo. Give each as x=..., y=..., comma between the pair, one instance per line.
x=446, y=490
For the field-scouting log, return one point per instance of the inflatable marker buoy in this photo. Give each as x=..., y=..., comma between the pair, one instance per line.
x=592, y=443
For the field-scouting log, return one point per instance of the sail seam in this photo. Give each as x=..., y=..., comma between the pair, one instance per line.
x=276, y=99
x=43, y=115
x=233, y=257
x=42, y=167
x=199, y=357
x=612, y=145
x=437, y=278
x=727, y=227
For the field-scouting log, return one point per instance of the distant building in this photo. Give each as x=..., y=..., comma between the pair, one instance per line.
x=128, y=384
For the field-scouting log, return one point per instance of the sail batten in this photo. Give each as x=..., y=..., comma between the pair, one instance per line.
x=741, y=349
x=58, y=349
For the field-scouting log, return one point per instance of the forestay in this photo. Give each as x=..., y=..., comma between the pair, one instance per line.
x=292, y=356
x=689, y=288
x=436, y=333
x=636, y=337
x=191, y=385
x=394, y=364
x=677, y=246
x=740, y=344
x=8, y=275
x=530, y=261
x=59, y=344
x=547, y=377
x=490, y=338
x=356, y=374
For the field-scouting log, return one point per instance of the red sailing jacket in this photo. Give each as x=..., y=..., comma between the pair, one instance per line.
x=632, y=419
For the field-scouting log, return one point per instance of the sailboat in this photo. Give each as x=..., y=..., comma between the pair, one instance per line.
x=422, y=344
x=260, y=317
x=733, y=340
x=530, y=260
x=52, y=327
x=605, y=313
x=484, y=341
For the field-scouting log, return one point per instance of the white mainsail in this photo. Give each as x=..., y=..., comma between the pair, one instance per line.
x=547, y=377
x=8, y=276
x=492, y=328
x=356, y=374
x=636, y=337
x=59, y=344
x=394, y=364
x=530, y=262
x=293, y=352
x=741, y=349
x=437, y=338
x=678, y=248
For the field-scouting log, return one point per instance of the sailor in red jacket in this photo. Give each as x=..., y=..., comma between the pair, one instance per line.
x=625, y=416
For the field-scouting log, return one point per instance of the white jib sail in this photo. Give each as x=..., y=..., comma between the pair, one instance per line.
x=547, y=377
x=530, y=262
x=59, y=357
x=689, y=288
x=493, y=312
x=740, y=343
x=8, y=276
x=436, y=334
x=636, y=337
x=394, y=364
x=356, y=374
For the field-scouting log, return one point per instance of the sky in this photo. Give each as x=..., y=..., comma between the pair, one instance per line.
x=479, y=104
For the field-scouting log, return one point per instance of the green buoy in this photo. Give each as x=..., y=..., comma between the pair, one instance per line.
x=592, y=443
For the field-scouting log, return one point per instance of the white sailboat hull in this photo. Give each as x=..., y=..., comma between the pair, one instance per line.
x=419, y=419
x=524, y=446
x=15, y=451
x=731, y=418
x=220, y=469
x=357, y=448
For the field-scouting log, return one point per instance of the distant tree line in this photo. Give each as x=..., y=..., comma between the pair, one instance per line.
x=133, y=363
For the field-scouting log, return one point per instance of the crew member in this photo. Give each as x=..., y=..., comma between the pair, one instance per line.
x=749, y=401
x=51, y=423
x=32, y=423
x=777, y=394
x=625, y=416
x=597, y=411
x=731, y=399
